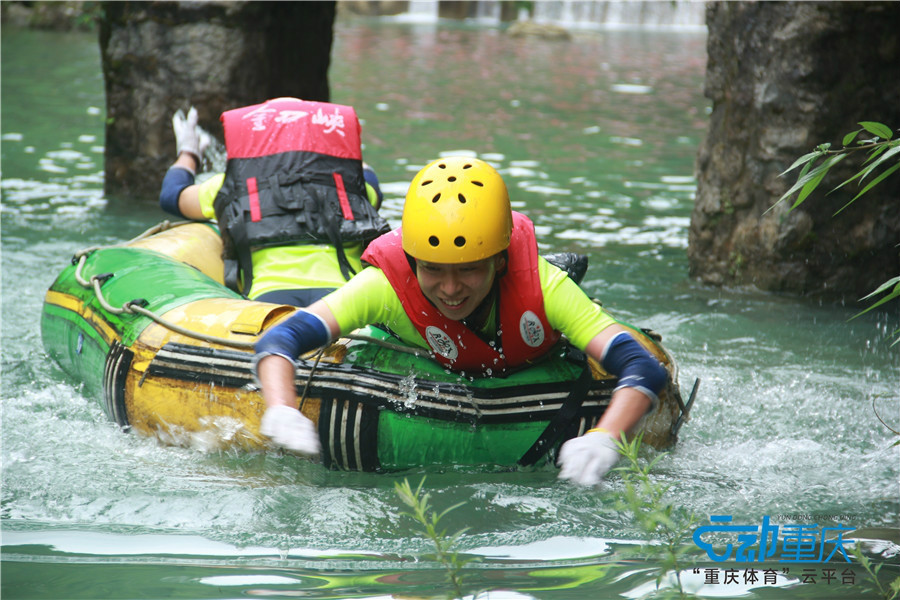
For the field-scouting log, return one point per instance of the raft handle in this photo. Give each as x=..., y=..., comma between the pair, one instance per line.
x=103, y=277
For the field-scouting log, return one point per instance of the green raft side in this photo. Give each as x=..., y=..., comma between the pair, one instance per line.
x=75, y=346
x=79, y=334
x=406, y=442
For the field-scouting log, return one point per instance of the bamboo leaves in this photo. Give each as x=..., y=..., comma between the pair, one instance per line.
x=883, y=154
x=882, y=151
x=894, y=286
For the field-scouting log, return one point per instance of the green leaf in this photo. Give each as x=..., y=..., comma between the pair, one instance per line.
x=455, y=506
x=874, y=152
x=810, y=186
x=811, y=180
x=872, y=184
x=805, y=169
x=801, y=181
x=806, y=158
x=854, y=178
x=879, y=129
x=884, y=286
x=850, y=136
x=883, y=158
x=894, y=294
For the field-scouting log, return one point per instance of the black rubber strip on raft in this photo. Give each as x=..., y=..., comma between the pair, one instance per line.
x=385, y=391
x=349, y=434
x=115, y=371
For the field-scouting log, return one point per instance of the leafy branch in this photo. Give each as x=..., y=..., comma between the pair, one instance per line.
x=656, y=516
x=881, y=149
x=893, y=589
x=883, y=157
x=422, y=512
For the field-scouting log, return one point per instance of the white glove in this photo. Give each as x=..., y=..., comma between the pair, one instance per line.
x=188, y=136
x=586, y=459
x=290, y=429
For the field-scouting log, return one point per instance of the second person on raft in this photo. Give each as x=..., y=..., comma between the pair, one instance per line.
x=462, y=278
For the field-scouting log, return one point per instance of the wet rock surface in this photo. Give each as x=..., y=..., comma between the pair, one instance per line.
x=161, y=56
x=784, y=77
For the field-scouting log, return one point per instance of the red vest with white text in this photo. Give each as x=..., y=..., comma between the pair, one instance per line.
x=525, y=332
x=294, y=176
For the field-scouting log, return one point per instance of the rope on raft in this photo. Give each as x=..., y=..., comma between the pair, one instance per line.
x=134, y=306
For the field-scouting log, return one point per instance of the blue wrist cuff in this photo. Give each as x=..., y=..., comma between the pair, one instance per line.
x=302, y=332
x=176, y=179
x=634, y=366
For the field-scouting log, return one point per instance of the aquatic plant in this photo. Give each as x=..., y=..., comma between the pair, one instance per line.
x=660, y=519
x=422, y=513
x=893, y=589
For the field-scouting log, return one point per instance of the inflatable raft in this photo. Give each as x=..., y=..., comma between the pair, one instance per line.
x=149, y=327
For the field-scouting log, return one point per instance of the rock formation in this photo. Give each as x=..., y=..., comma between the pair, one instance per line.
x=784, y=77
x=161, y=56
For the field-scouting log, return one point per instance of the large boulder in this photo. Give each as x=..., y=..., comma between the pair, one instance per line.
x=161, y=56
x=784, y=77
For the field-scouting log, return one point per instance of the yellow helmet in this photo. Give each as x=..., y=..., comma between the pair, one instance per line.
x=456, y=211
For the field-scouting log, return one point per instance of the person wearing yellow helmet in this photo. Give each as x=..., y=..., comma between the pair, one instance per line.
x=462, y=278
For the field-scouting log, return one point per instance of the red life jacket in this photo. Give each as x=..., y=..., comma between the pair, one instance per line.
x=294, y=176
x=525, y=332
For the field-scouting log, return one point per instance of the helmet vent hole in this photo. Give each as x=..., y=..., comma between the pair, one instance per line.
x=467, y=166
x=436, y=198
x=462, y=199
x=424, y=183
x=478, y=183
x=460, y=241
x=434, y=241
x=442, y=166
x=451, y=179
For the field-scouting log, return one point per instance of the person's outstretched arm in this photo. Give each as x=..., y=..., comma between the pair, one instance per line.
x=586, y=459
x=305, y=330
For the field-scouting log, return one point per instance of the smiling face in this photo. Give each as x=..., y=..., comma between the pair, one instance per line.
x=457, y=289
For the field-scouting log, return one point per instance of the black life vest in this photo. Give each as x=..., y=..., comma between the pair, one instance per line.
x=294, y=176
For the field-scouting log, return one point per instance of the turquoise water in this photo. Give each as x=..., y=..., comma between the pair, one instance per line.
x=596, y=139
